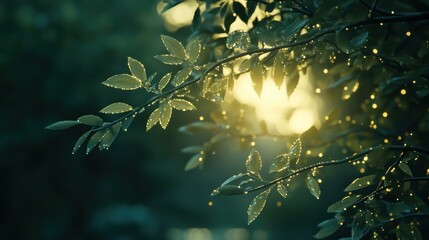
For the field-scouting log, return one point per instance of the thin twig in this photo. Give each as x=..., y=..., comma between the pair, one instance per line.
x=354, y=157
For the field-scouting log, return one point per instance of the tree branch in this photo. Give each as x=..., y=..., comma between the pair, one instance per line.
x=418, y=16
x=352, y=158
x=404, y=217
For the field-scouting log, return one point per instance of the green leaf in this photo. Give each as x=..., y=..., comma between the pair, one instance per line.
x=343, y=204
x=169, y=59
x=182, y=104
x=295, y=26
x=349, y=40
x=234, y=178
x=228, y=190
x=404, y=231
x=240, y=10
x=181, y=76
x=95, y=140
x=405, y=168
x=360, y=183
x=313, y=186
x=329, y=227
x=174, y=47
x=90, y=120
x=257, y=205
x=127, y=122
x=198, y=127
x=292, y=79
x=137, y=69
x=281, y=189
x=194, y=162
x=245, y=65
x=80, y=141
x=257, y=75
x=295, y=151
x=165, y=114
x=61, y=125
x=238, y=39
x=123, y=82
x=116, y=108
x=153, y=119
x=164, y=81
x=110, y=136
x=192, y=149
x=194, y=50
x=254, y=163
x=279, y=70
x=281, y=163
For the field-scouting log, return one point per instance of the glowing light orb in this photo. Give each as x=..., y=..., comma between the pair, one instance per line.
x=282, y=115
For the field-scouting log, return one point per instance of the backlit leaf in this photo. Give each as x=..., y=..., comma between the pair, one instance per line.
x=192, y=149
x=349, y=40
x=137, y=69
x=254, y=163
x=228, y=190
x=116, y=108
x=61, y=125
x=123, y=82
x=238, y=39
x=234, y=178
x=295, y=151
x=313, y=186
x=182, y=105
x=360, y=183
x=405, y=168
x=95, y=140
x=257, y=205
x=169, y=59
x=343, y=204
x=164, y=81
x=80, y=141
x=181, y=76
x=174, y=47
x=194, y=50
x=127, y=122
x=257, y=75
x=281, y=189
x=198, y=127
x=165, y=114
x=329, y=227
x=281, y=163
x=194, y=162
x=90, y=120
x=110, y=136
x=153, y=119
x=279, y=69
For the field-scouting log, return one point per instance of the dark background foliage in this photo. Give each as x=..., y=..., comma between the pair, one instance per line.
x=53, y=54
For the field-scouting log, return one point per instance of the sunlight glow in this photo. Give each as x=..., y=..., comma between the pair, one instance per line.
x=293, y=115
x=178, y=16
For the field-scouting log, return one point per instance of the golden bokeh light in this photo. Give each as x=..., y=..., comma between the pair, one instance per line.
x=179, y=16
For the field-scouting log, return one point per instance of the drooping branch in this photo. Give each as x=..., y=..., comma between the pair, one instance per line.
x=416, y=16
x=352, y=158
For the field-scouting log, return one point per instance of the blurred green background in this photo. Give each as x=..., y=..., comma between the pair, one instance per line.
x=53, y=55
